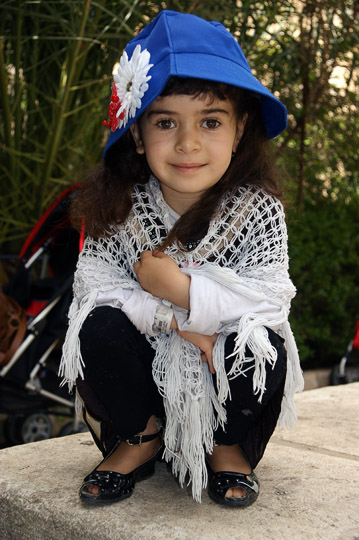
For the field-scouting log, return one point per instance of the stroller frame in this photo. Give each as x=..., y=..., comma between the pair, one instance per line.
x=347, y=370
x=38, y=247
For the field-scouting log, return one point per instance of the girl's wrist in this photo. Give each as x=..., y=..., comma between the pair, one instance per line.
x=174, y=324
x=180, y=296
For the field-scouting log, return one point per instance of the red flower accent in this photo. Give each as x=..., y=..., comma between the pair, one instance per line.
x=114, y=106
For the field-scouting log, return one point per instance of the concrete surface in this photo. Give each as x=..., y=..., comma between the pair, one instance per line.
x=309, y=487
x=316, y=378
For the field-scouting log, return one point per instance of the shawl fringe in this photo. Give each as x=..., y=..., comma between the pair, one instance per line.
x=71, y=365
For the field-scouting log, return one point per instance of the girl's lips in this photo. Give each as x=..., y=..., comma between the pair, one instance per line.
x=187, y=167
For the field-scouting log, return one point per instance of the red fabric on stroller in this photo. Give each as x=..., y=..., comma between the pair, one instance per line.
x=356, y=337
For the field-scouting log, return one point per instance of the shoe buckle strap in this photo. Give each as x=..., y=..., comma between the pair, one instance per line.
x=136, y=440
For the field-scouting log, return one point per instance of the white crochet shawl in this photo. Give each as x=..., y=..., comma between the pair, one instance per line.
x=245, y=249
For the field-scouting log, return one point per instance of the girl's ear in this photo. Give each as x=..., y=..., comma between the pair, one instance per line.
x=136, y=134
x=240, y=128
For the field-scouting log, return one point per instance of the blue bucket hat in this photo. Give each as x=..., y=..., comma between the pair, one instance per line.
x=182, y=45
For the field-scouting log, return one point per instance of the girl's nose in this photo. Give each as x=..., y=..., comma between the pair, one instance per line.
x=188, y=140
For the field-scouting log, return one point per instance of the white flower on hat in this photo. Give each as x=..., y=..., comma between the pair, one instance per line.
x=131, y=83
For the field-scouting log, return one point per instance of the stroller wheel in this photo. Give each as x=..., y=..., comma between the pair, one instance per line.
x=24, y=429
x=349, y=375
x=336, y=377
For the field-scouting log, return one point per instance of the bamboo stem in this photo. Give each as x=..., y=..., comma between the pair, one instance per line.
x=63, y=100
x=5, y=105
x=17, y=87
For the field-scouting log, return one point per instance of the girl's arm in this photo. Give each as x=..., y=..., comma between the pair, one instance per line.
x=198, y=294
x=160, y=275
x=221, y=305
x=204, y=343
x=101, y=280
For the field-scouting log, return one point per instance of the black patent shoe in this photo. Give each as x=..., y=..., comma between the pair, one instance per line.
x=114, y=486
x=220, y=482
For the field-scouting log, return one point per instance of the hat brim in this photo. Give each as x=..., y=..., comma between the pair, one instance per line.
x=226, y=71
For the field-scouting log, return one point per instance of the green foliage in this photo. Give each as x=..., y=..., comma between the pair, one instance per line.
x=323, y=249
x=55, y=64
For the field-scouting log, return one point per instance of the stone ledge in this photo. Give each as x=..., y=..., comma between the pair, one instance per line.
x=316, y=378
x=309, y=487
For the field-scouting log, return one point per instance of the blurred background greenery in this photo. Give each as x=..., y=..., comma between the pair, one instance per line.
x=56, y=59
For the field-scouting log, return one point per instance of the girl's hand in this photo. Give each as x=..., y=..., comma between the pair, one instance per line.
x=159, y=275
x=205, y=343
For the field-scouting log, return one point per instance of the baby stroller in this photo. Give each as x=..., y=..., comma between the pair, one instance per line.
x=347, y=371
x=30, y=394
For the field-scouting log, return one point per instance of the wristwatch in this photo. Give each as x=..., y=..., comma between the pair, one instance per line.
x=163, y=319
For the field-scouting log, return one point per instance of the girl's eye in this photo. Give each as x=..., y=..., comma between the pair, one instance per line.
x=166, y=123
x=211, y=123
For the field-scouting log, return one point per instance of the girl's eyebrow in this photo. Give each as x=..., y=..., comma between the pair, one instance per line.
x=161, y=111
x=173, y=113
x=214, y=111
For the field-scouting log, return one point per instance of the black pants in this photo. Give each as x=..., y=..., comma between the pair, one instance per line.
x=118, y=387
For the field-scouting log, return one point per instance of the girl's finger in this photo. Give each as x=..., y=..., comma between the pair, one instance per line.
x=208, y=359
x=145, y=254
x=210, y=362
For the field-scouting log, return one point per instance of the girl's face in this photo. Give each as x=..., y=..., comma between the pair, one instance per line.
x=188, y=144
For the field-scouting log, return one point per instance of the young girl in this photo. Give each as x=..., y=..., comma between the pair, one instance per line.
x=182, y=293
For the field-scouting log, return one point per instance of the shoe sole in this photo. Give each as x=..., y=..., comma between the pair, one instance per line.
x=234, y=503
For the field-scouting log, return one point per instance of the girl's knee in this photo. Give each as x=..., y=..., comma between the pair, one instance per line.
x=109, y=340
x=107, y=327
x=104, y=319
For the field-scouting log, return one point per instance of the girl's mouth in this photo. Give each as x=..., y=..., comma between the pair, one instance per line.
x=187, y=168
